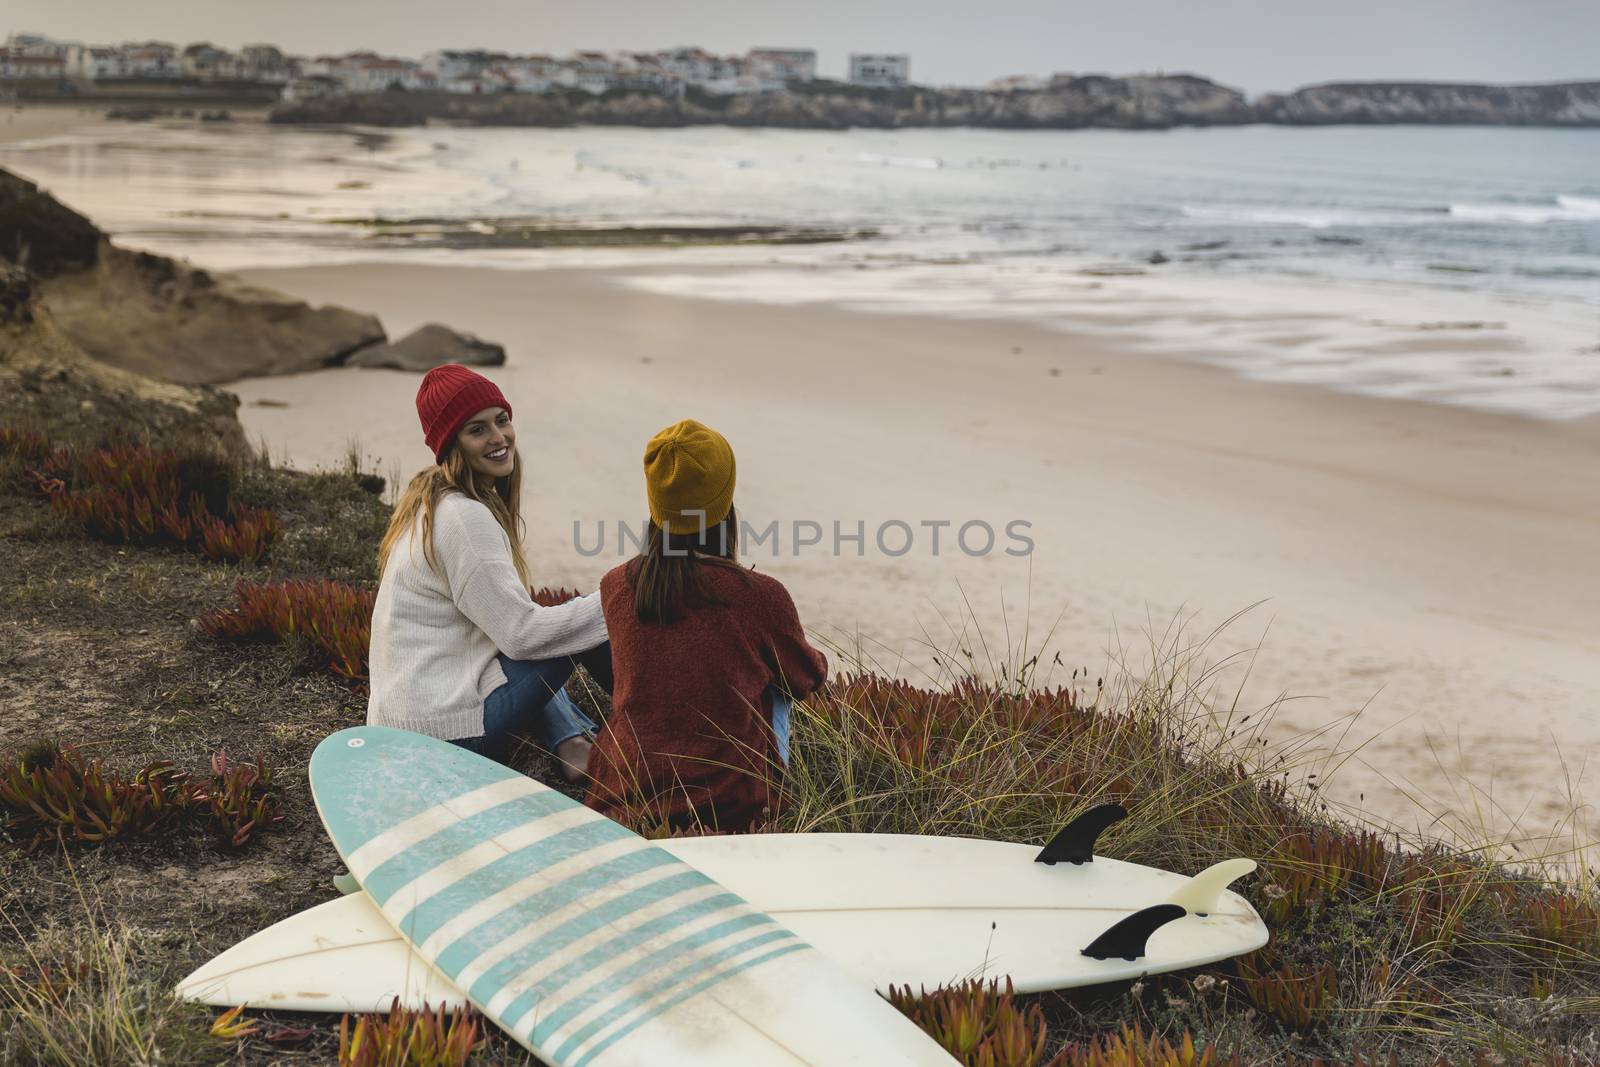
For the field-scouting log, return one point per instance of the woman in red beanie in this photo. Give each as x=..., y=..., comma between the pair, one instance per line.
x=459, y=649
x=707, y=653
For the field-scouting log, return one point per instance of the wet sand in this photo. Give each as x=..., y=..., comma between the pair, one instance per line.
x=1432, y=569
x=33, y=120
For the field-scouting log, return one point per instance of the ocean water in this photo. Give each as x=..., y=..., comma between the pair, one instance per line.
x=1457, y=265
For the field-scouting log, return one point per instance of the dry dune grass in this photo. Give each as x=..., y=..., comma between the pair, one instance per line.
x=1385, y=945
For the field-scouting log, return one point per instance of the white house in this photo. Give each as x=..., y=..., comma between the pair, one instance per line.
x=879, y=71
x=532, y=74
x=709, y=73
x=368, y=72
x=89, y=63
x=691, y=66
x=776, y=67
x=150, y=59
x=593, y=72
x=37, y=46
x=17, y=67
x=207, y=63
x=265, y=63
x=490, y=81
x=448, y=65
x=643, y=71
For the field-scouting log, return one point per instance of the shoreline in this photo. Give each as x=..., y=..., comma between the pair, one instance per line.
x=1288, y=310
x=1432, y=560
x=1427, y=563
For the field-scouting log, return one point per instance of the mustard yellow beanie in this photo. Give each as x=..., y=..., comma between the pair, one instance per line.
x=688, y=470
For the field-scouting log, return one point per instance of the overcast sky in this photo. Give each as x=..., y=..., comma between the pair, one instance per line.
x=1254, y=45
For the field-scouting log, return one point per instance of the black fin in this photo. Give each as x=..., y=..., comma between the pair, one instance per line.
x=1127, y=936
x=1075, y=843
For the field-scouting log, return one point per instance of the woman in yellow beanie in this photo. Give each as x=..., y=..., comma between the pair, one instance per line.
x=706, y=655
x=459, y=650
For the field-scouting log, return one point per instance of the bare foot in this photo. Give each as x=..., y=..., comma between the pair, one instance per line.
x=573, y=755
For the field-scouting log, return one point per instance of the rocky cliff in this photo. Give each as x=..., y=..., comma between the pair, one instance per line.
x=159, y=317
x=1069, y=102
x=1135, y=102
x=1568, y=104
x=45, y=378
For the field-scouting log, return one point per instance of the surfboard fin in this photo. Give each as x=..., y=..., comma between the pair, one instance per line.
x=1075, y=843
x=1199, y=894
x=1127, y=937
x=346, y=883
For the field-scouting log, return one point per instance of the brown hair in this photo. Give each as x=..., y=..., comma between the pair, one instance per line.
x=668, y=577
x=453, y=474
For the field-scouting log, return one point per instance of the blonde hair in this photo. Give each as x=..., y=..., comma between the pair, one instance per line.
x=502, y=496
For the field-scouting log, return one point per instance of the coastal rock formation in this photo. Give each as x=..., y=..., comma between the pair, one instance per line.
x=1568, y=104
x=428, y=346
x=40, y=233
x=1068, y=102
x=159, y=317
x=162, y=318
x=45, y=377
x=1140, y=102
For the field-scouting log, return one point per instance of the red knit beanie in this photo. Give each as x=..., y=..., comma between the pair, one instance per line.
x=451, y=394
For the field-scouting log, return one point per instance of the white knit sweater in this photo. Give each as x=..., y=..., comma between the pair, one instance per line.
x=432, y=658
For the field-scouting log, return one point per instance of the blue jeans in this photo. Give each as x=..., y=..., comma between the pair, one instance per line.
x=532, y=700
x=781, y=706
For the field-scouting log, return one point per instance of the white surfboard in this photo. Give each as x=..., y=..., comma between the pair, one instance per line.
x=588, y=945
x=891, y=909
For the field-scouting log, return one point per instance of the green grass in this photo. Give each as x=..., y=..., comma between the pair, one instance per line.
x=95, y=991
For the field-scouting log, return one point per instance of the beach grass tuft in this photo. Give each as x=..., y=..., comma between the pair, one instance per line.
x=94, y=991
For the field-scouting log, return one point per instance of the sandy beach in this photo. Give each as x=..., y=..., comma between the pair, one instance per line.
x=24, y=122
x=1422, y=581
x=36, y=119
x=1418, y=582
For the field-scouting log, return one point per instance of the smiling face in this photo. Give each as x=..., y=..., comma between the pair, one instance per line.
x=488, y=443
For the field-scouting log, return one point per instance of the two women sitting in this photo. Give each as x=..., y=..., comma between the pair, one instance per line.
x=700, y=654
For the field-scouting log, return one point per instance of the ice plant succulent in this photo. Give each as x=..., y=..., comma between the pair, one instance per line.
x=1132, y=1047
x=55, y=793
x=409, y=1038
x=1319, y=862
x=240, y=799
x=1298, y=997
x=138, y=494
x=334, y=616
x=979, y=1025
x=229, y=1027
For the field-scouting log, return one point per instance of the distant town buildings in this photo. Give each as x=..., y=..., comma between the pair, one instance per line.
x=205, y=63
x=784, y=64
x=153, y=59
x=879, y=71
x=36, y=58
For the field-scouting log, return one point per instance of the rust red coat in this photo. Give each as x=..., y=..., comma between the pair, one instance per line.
x=690, y=738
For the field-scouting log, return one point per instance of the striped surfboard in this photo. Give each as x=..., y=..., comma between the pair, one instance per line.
x=587, y=944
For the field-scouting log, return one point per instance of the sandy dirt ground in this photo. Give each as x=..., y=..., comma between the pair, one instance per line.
x=1421, y=582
